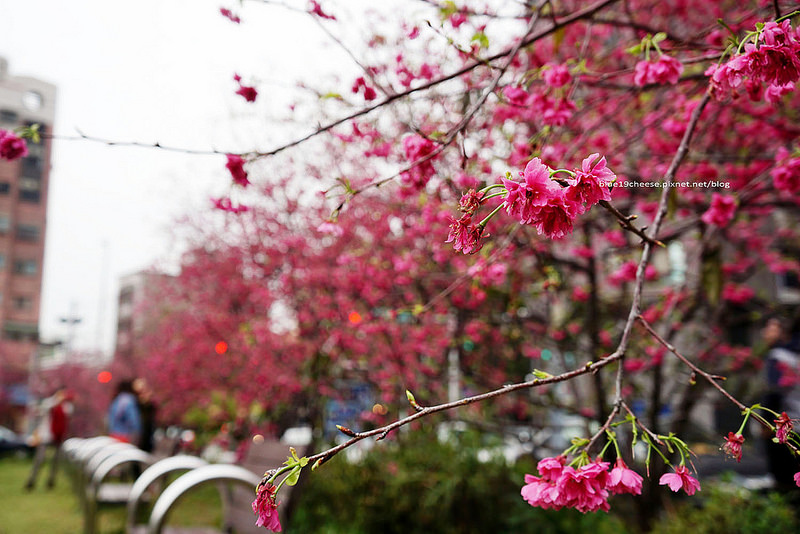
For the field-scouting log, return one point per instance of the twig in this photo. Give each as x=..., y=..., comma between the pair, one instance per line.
x=383, y=431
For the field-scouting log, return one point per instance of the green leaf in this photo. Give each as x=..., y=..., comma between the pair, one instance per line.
x=481, y=38
x=635, y=50
x=333, y=95
x=660, y=36
x=541, y=375
x=293, y=476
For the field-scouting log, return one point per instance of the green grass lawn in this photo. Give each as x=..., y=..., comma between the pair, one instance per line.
x=57, y=510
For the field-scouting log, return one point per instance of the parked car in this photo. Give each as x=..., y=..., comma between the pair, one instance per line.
x=11, y=442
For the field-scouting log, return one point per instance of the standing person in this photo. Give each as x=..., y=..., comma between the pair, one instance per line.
x=147, y=411
x=782, y=367
x=124, y=419
x=54, y=415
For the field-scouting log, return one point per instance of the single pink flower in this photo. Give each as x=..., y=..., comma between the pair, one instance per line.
x=585, y=489
x=555, y=219
x=465, y=236
x=470, y=201
x=316, y=9
x=266, y=508
x=783, y=425
x=457, y=19
x=524, y=199
x=665, y=70
x=622, y=479
x=733, y=446
x=721, y=211
x=228, y=14
x=591, y=183
x=235, y=166
x=247, y=92
x=680, y=479
x=797, y=478
x=556, y=75
x=11, y=146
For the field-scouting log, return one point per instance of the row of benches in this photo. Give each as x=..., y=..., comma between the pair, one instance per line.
x=94, y=460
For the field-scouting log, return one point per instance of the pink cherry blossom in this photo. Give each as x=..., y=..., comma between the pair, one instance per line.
x=665, y=70
x=470, y=201
x=585, y=489
x=235, y=166
x=797, y=478
x=556, y=218
x=556, y=75
x=680, y=479
x=733, y=446
x=228, y=14
x=225, y=204
x=465, y=236
x=524, y=199
x=622, y=479
x=417, y=149
x=316, y=9
x=11, y=146
x=266, y=508
x=591, y=183
x=786, y=173
x=247, y=92
x=721, y=211
x=783, y=426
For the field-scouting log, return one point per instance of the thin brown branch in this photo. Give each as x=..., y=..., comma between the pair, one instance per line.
x=383, y=431
x=625, y=223
x=710, y=378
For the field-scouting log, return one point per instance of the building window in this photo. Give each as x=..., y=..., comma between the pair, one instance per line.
x=5, y=187
x=27, y=232
x=32, y=167
x=2, y=263
x=8, y=116
x=20, y=331
x=29, y=189
x=25, y=267
x=5, y=224
x=23, y=303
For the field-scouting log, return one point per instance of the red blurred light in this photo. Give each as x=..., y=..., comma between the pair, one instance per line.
x=221, y=347
x=354, y=317
x=104, y=377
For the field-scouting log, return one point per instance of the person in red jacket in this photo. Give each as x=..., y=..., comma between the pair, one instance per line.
x=54, y=415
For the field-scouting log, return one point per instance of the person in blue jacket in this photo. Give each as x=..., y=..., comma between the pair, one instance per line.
x=124, y=419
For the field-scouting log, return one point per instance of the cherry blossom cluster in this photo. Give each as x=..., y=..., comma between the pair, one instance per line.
x=12, y=146
x=541, y=199
x=783, y=428
x=665, y=70
x=418, y=150
x=771, y=56
x=361, y=84
x=786, y=173
x=530, y=106
x=586, y=489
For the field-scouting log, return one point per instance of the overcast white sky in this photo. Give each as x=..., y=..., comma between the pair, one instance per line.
x=150, y=70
